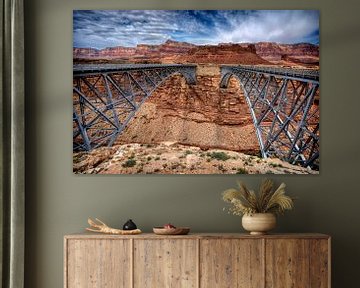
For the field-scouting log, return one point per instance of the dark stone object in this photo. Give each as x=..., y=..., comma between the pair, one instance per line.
x=129, y=225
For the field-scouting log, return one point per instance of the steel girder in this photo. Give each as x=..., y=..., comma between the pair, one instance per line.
x=106, y=97
x=284, y=104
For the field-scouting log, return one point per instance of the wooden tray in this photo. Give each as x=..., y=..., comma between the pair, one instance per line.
x=171, y=231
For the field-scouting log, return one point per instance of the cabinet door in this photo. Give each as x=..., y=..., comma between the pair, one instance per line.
x=165, y=263
x=98, y=263
x=231, y=263
x=288, y=263
x=320, y=263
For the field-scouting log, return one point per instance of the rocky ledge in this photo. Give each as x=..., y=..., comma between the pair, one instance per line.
x=173, y=158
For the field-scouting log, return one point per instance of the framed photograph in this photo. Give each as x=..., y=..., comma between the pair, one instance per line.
x=196, y=92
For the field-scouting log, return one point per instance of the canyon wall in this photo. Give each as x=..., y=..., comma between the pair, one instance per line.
x=304, y=53
x=263, y=53
x=142, y=53
x=202, y=115
x=223, y=54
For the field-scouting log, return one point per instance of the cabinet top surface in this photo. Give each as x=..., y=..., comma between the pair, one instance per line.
x=86, y=235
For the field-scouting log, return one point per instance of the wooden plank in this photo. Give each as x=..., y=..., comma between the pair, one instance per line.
x=231, y=263
x=319, y=263
x=165, y=263
x=199, y=236
x=287, y=263
x=132, y=262
x=98, y=263
x=263, y=252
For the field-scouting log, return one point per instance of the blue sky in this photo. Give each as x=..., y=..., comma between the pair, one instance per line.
x=108, y=28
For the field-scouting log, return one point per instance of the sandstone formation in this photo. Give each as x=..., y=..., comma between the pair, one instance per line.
x=224, y=53
x=302, y=53
x=142, y=53
x=202, y=115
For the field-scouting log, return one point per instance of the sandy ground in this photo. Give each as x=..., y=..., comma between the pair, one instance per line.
x=173, y=158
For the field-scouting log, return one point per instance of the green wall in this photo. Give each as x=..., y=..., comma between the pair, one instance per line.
x=58, y=202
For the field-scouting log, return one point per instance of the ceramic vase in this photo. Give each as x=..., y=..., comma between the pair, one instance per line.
x=259, y=223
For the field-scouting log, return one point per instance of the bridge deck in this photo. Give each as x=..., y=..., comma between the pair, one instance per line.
x=81, y=69
x=309, y=74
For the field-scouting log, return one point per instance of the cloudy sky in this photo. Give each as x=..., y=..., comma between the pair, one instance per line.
x=108, y=28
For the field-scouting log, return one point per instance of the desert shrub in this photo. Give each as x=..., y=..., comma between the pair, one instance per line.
x=129, y=163
x=219, y=156
x=275, y=165
x=242, y=171
x=222, y=168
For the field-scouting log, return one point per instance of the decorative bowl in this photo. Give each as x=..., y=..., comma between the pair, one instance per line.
x=171, y=231
x=259, y=223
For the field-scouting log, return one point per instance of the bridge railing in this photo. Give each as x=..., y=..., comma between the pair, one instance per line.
x=107, y=96
x=284, y=105
x=309, y=74
x=91, y=69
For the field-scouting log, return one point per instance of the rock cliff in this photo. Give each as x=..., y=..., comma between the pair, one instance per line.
x=223, y=54
x=304, y=53
x=263, y=53
x=142, y=53
x=202, y=115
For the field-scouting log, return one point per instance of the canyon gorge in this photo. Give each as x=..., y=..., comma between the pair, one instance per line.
x=192, y=129
x=266, y=53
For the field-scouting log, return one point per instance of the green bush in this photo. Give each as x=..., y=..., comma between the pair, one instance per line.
x=129, y=163
x=219, y=156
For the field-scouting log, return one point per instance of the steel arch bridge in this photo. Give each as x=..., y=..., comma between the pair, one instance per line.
x=106, y=97
x=284, y=105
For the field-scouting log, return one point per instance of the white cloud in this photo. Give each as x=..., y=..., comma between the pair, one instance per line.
x=103, y=28
x=274, y=26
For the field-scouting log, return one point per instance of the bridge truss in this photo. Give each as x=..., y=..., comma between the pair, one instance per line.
x=106, y=97
x=284, y=104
